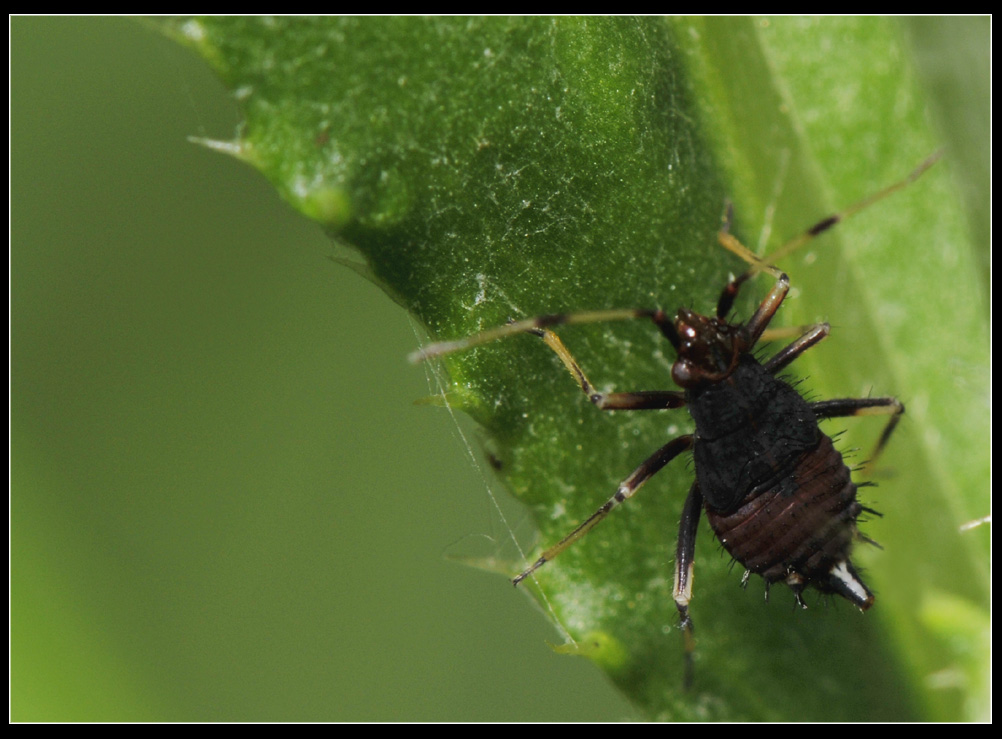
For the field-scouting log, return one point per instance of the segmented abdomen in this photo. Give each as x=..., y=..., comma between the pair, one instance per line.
x=802, y=524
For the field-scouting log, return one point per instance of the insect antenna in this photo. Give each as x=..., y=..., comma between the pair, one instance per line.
x=442, y=348
x=765, y=264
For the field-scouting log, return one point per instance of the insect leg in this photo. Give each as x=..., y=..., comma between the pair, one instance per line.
x=776, y=333
x=626, y=489
x=641, y=400
x=684, y=552
x=843, y=407
x=809, y=338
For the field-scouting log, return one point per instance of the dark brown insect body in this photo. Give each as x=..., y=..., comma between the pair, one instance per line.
x=799, y=529
x=775, y=490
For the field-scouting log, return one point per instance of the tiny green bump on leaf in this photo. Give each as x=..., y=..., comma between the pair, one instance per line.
x=602, y=648
x=327, y=205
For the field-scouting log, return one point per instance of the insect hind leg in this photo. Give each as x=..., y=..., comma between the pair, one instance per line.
x=685, y=550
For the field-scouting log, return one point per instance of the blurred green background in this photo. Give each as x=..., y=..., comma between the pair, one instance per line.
x=224, y=505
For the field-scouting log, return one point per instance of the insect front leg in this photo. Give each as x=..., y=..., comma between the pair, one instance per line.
x=685, y=550
x=632, y=401
x=626, y=489
x=809, y=338
x=841, y=407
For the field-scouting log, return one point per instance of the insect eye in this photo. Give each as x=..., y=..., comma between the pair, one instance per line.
x=682, y=373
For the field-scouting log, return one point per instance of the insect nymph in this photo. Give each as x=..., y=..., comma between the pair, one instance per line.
x=775, y=490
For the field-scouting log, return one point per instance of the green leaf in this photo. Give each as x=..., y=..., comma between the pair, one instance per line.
x=488, y=169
